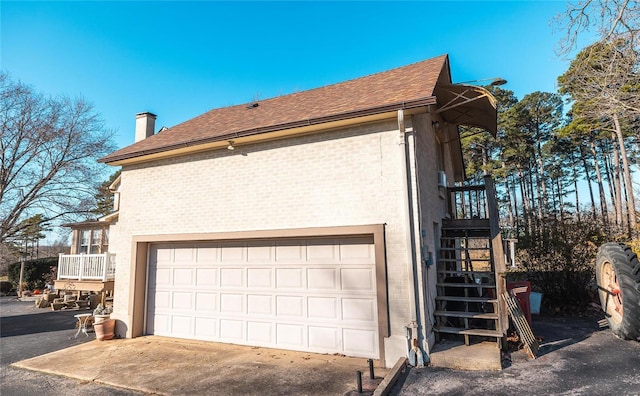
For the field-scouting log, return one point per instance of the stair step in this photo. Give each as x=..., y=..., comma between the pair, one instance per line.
x=465, y=223
x=462, y=273
x=457, y=284
x=477, y=332
x=448, y=260
x=467, y=299
x=447, y=249
x=469, y=315
x=484, y=237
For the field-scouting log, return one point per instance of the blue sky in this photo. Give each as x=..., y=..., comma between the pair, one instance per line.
x=180, y=59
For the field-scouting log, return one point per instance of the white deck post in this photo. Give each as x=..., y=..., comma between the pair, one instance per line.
x=81, y=266
x=60, y=265
x=105, y=259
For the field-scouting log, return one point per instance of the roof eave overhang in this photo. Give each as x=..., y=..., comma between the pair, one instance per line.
x=101, y=222
x=467, y=105
x=273, y=131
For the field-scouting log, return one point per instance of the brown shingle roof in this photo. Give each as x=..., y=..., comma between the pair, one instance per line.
x=385, y=91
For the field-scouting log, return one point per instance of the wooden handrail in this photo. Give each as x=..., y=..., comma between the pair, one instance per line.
x=498, y=249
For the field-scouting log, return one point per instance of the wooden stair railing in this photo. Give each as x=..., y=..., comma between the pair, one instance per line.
x=470, y=267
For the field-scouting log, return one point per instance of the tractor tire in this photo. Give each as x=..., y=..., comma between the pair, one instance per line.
x=618, y=277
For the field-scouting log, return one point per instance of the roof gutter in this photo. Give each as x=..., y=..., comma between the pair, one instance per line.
x=405, y=105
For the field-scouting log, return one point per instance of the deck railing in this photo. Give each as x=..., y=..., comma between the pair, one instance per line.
x=468, y=202
x=87, y=266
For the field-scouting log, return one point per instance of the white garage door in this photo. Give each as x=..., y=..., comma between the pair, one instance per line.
x=316, y=295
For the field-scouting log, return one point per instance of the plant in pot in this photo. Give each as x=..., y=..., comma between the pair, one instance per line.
x=103, y=325
x=101, y=313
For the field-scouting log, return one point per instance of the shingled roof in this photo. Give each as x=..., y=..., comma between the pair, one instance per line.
x=401, y=88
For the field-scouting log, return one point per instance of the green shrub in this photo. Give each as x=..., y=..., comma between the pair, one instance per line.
x=36, y=272
x=559, y=261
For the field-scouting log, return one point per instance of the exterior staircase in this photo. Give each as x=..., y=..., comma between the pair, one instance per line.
x=471, y=265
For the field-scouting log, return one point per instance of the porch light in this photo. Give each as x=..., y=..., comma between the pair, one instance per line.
x=230, y=146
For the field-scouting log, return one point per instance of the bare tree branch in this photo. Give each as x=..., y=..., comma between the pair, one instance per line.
x=49, y=152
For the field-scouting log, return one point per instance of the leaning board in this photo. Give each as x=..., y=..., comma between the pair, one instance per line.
x=521, y=324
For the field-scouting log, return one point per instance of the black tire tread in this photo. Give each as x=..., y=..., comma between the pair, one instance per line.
x=627, y=267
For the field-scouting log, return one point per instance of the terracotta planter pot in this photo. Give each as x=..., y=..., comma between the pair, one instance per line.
x=105, y=329
x=100, y=318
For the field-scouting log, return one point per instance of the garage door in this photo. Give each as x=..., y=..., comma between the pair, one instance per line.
x=316, y=295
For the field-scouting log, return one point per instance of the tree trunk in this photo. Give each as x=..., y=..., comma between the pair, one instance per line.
x=526, y=207
x=515, y=208
x=541, y=183
x=603, y=199
x=615, y=170
x=631, y=209
x=508, y=194
x=585, y=165
x=575, y=186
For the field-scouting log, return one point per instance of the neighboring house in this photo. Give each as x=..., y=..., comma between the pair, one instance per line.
x=90, y=266
x=307, y=221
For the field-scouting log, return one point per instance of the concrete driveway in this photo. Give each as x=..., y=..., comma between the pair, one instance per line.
x=158, y=365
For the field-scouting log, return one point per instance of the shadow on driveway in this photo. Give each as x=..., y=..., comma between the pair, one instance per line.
x=18, y=325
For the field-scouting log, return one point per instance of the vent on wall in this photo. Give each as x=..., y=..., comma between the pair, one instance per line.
x=442, y=179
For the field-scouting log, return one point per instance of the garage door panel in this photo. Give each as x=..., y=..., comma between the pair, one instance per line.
x=161, y=277
x=322, y=308
x=206, y=302
x=289, y=306
x=358, y=309
x=360, y=342
x=233, y=253
x=259, y=278
x=260, y=333
x=161, y=300
x=322, y=278
x=231, y=303
x=182, y=326
x=183, y=277
x=289, y=278
x=259, y=304
x=208, y=253
x=314, y=295
x=357, y=251
x=231, y=277
x=232, y=330
x=323, y=337
x=290, y=251
x=206, y=277
x=162, y=253
x=206, y=328
x=160, y=324
x=182, y=301
x=290, y=334
x=259, y=253
x=325, y=251
x=357, y=279
x=185, y=255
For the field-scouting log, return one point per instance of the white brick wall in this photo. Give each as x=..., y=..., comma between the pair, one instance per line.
x=340, y=178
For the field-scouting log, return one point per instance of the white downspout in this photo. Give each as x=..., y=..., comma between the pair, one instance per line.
x=413, y=324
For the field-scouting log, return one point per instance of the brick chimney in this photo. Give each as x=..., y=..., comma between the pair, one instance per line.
x=145, y=125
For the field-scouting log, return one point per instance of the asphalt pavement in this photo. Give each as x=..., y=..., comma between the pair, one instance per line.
x=577, y=356
x=27, y=332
